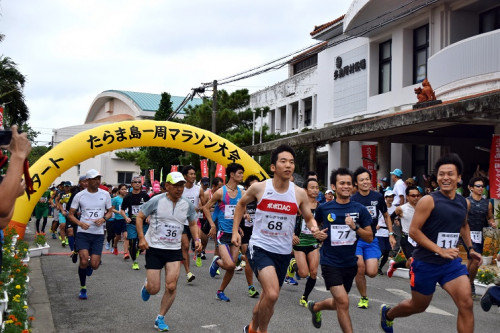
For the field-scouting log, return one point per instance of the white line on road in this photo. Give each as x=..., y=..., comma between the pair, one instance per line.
x=430, y=309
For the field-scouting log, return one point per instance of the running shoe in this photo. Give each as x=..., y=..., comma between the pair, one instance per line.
x=203, y=256
x=60, y=238
x=380, y=272
x=385, y=324
x=115, y=251
x=392, y=268
x=238, y=268
x=486, y=302
x=135, y=266
x=217, y=272
x=144, y=293
x=198, y=261
x=190, y=277
x=126, y=256
x=66, y=241
x=303, y=301
x=160, y=324
x=363, y=303
x=316, y=315
x=243, y=264
x=63, y=243
x=252, y=292
x=89, y=270
x=246, y=329
x=107, y=246
x=54, y=236
x=221, y=296
x=83, y=293
x=290, y=280
x=74, y=257
x=214, y=267
x=290, y=271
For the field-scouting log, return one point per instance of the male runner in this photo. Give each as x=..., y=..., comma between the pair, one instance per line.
x=246, y=227
x=405, y=213
x=95, y=207
x=206, y=228
x=270, y=246
x=71, y=228
x=438, y=221
x=480, y=215
x=346, y=221
x=195, y=194
x=129, y=210
x=226, y=199
x=61, y=202
x=168, y=213
x=369, y=253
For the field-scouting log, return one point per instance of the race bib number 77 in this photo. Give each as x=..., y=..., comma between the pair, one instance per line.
x=342, y=235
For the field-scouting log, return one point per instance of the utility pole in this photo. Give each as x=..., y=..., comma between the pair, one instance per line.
x=214, y=126
x=214, y=107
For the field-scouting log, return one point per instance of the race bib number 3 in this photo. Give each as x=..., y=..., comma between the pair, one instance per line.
x=250, y=223
x=305, y=230
x=342, y=235
x=476, y=237
x=447, y=240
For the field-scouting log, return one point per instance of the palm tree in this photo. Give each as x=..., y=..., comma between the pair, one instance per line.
x=11, y=91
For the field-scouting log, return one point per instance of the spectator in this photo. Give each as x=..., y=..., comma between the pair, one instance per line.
x=399, y=187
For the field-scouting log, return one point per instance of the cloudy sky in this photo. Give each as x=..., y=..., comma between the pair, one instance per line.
x=70, y=51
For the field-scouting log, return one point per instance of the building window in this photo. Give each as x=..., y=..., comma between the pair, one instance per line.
x=124, y=177
x=385, y=59
x=420, y=53
x=305, y=64
x=308, y=111
x=490, y=20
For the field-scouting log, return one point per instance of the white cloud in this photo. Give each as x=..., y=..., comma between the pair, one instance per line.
x=70, y=51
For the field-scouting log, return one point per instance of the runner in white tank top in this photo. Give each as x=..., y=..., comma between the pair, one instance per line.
x=273, y=230
x=275, y=220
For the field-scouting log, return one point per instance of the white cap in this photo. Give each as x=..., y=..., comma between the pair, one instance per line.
x=175, y=177
x=328, y=191
x=92, y=173
x=389, y=193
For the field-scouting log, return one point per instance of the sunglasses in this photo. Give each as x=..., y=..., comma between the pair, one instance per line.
x=478, y=186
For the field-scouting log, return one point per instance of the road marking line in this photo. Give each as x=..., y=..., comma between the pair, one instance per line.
x=430, y=308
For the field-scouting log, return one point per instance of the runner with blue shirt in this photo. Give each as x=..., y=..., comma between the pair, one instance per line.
x=439, y=219
x=345, y=222
x=226, y=199
x=369, y=252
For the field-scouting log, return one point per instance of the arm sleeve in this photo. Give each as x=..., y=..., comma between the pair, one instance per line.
x=191, y=214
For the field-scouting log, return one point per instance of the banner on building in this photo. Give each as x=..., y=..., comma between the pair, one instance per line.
x=204, y=168
x=494, y=172
x=220, y=171
x=369, y=157
x=174, y=168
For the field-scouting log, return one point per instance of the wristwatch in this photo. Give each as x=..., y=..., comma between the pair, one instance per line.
x=357, y=227
x=391, y=234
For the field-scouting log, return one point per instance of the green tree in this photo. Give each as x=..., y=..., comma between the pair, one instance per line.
x=11, y=92
x=36, y=153
x=160, y=157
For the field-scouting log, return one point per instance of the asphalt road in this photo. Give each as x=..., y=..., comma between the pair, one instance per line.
x=114, y=303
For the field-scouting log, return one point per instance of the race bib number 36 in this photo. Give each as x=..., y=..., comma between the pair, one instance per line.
x=447, y=240
x=342, y=235
x=171, y=233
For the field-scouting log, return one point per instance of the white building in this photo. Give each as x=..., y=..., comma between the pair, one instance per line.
x=363, y=74
x=112, y=106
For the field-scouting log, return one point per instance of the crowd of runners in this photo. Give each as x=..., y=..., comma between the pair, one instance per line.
x=281, y=232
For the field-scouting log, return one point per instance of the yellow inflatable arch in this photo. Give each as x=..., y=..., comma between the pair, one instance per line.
x=126, y=134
